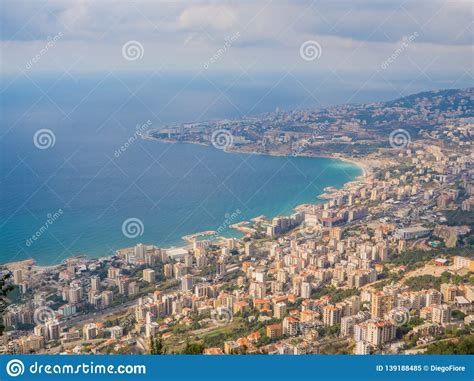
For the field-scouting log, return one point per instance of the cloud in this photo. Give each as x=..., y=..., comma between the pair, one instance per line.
x=178, y=35
x=435, y=21
x=206, y=17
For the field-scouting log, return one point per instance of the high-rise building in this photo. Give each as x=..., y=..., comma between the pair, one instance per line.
x=151, y=327
x=149, y=275
x=382, y=303
x=17, y=276
x=123, y=285
x=274, y=331
x=258, y=290
x=231, y=243
x=168, y=270
x=221, y=267
x=362, y=348
x=279, y=310
x=380, y=332
x=249, y=248
x=441, y=314
x=290, y=326
x=95, y=283
x=449, y=292
x=140, y=251
x=305, y=290
x=32, y=343
x=133, y=288
x=331, y=315
x=113, y=273
x=107, y=298
x=336, y=233
x=179, y=269
x=188, y=260
x=201, y=290
x=116, y=332
x=432, y=297
x=89, y=331
x=347, y=325
x=260, y=275
x=52, y=329
x=167, y=304
x=75, y=294
x=187, y=283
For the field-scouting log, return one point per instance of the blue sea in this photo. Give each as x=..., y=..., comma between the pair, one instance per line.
x=74, y=196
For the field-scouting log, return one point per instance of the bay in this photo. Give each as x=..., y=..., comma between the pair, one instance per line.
x=172, y=189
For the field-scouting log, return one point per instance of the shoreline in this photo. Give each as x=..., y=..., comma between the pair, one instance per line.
x=366, y=172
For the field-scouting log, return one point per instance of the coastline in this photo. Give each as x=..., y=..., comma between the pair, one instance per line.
x=366, y=172
x=366, y=169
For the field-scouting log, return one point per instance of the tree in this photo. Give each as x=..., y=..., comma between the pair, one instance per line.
x=5, y=288
x=159, y=347
x=192, y=348
x=156, y=346
x=152, y=345
x=457, y=346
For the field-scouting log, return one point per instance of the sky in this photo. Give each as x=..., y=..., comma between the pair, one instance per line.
x=392, y=38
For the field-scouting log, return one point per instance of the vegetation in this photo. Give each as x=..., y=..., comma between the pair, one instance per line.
x=413, y=257
x=424, y=282
x=156, y=346
x=336, y=294
x=459, y=217
x=5, y=289
x=458, y=346
x=195, y=348
x=458, y=315
x=408, y=326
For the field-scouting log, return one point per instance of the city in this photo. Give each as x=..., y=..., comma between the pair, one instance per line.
x=384, y=265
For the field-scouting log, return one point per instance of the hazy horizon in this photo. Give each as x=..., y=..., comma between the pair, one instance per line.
x=364, y=42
